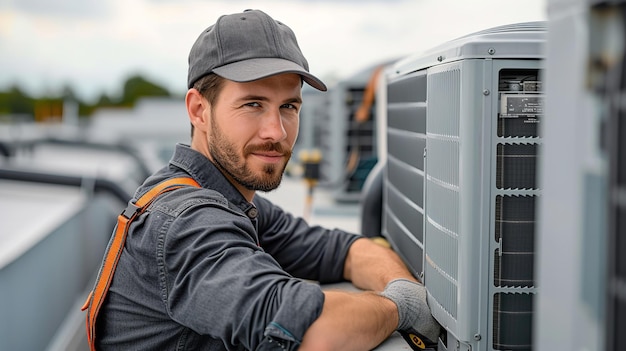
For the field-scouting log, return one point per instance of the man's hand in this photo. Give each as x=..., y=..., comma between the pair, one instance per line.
x=413, y=311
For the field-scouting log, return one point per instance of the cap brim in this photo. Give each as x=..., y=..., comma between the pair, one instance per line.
x=259, y=68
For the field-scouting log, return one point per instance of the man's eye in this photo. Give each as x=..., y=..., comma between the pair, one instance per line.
x=253, y=104
x=290, y=106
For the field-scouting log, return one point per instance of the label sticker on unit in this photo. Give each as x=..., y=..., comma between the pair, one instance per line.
x=521, y=105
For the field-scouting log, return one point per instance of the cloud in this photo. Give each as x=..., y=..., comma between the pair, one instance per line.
x=64, y=8
x=94, y=45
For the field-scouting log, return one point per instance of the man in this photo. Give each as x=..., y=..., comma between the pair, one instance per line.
x=218, y=268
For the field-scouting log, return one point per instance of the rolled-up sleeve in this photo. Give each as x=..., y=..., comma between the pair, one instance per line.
x=308, y=252
x=216, y=281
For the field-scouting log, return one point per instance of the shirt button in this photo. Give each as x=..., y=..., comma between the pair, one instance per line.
x=253, y=212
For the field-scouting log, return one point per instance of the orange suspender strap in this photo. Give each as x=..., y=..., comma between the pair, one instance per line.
x=114, y=249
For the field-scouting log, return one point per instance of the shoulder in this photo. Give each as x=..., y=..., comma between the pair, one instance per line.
x=180, y=200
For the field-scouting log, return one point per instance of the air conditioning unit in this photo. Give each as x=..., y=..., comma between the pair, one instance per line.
x=581, y=269
x=460, y=186
x=349, y=146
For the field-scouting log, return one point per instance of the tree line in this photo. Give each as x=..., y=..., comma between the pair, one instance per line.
x=15, y=102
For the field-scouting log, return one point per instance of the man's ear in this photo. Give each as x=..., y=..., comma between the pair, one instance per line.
x=196, y=106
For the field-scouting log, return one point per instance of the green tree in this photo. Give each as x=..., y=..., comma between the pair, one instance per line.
x=137, y=86
x=15, y=101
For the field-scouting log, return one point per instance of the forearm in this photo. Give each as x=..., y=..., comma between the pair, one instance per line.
x=371, y=266
x=351, y=321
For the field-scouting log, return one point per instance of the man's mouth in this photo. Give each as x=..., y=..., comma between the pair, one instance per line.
x=270, y=157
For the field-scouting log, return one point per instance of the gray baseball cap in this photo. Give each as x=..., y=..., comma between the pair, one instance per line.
x=247, y=46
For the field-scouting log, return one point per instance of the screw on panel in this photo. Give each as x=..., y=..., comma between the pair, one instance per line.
x=440, y=58
x=491, y=51
x=486, y=92
x=477, y=337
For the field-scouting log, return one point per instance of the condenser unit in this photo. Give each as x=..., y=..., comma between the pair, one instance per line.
x=348, y=144
x=581, y=267
x=460, y=186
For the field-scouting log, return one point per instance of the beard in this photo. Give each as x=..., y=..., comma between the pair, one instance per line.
x=229, y=161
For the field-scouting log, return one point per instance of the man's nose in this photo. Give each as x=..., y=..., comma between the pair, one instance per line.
x=272, y=127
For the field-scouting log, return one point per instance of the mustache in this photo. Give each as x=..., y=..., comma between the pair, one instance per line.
x=276, y=147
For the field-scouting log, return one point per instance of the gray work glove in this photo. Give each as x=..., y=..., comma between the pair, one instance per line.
x=413, y=311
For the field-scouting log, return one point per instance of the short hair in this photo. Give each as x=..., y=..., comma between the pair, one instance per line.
x=209, y=87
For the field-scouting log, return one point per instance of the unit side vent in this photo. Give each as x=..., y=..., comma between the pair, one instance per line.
x=444, y=101
x=444, y=167
x=442, y=227
x=443, y=287
x=404, y=178
x=442, y=188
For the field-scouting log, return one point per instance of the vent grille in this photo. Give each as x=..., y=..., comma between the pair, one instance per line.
x=516, y=149
x=512, y=319
x=516, y=166
x=515, y=233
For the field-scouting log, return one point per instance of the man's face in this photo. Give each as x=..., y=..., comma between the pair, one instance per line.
x=253, y=127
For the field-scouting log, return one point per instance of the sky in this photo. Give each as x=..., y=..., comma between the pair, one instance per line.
x=93, y=46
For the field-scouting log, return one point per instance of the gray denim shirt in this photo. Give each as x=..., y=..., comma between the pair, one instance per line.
x=203, y=269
